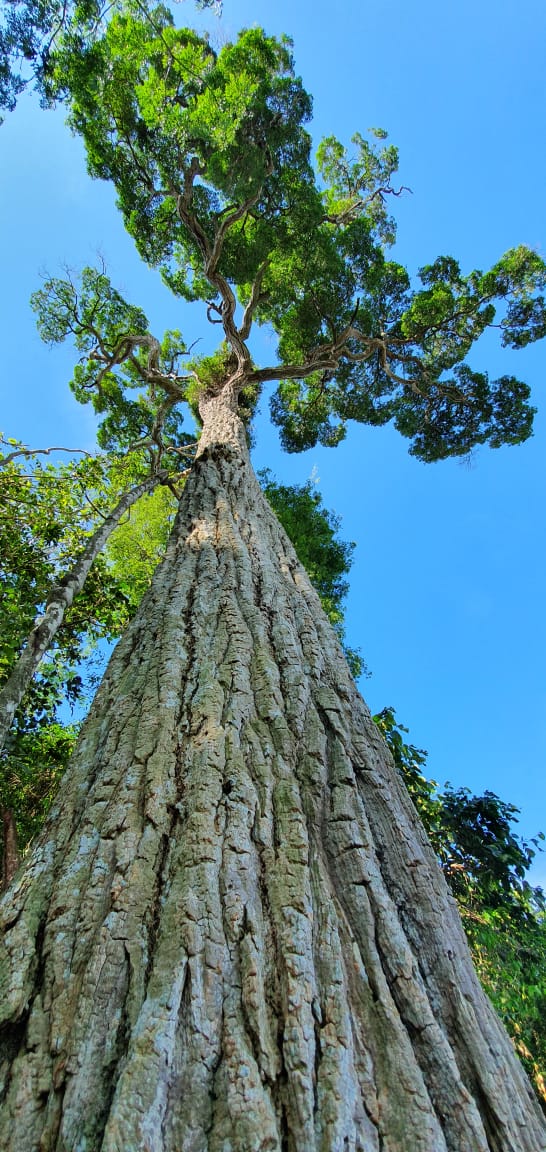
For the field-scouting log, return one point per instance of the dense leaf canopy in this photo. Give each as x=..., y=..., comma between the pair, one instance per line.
x=29, y=33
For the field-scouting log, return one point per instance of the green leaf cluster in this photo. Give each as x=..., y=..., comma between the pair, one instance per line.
x=47, y=513
x=36, y=757
x=117, y=350
x=138, y=544
x=30, y=31
x=154, y=102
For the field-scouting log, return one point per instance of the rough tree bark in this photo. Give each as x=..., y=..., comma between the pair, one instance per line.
x=233, y=935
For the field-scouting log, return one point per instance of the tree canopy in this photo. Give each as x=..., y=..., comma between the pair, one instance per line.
x=211, y=159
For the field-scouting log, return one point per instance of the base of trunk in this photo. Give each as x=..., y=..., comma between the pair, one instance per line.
x=233, y=935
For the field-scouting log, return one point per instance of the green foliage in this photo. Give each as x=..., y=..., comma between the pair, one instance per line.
x=468, y=411
x=149, y=99
x=138, y=544
x=29, y=33
x=47, y=513
x=440, y=404
x=485, y=864
x=485, y=853
x=410, y=762
x=352, y=184
x=119, y=355
x=313, y=531
x=93, y=312
x=37, y=756
x=510, y=958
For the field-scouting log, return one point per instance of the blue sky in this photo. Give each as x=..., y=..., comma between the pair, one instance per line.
x=447, y=600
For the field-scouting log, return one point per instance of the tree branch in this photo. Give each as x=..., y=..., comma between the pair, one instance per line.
x=149, y=373
x=326, y=358
x=380, y=344
x=290, y=371
x=22, y=450
x=255, y=292
x=344, y=217
x=212, y=253
x=231, y=217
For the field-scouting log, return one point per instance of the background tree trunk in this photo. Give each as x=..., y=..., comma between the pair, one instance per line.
x=10, y=853
x=233, y=934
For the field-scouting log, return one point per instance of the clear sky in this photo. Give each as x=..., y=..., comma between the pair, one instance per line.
x=447, y=588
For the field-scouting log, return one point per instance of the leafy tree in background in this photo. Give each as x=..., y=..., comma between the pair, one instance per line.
x=233, y=931
x=37, y=530
x=46, y=513
x=139, y=544
x=485, y=864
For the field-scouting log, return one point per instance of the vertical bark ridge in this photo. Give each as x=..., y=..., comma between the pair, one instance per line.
x=246, y=941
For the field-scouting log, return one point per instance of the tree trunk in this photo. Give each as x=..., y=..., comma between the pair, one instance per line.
x=61, y=597
x=10, y=850
x=233, y=934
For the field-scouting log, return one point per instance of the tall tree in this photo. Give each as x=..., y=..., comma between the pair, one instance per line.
x=233, y=932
